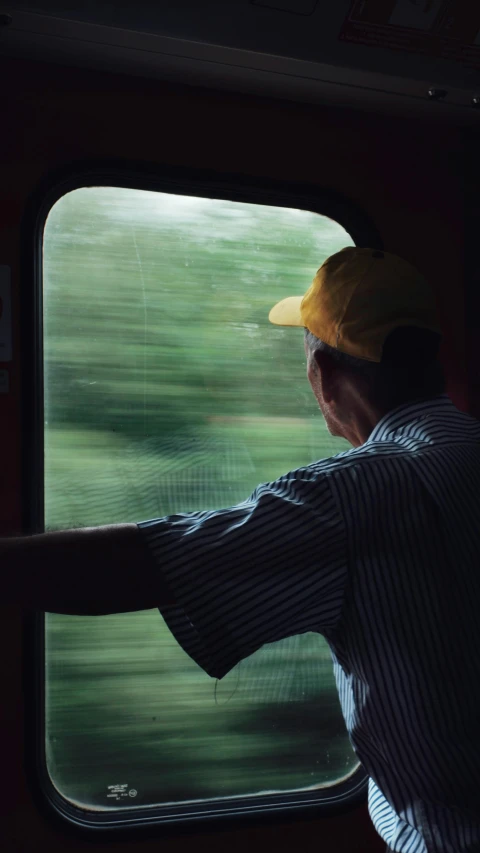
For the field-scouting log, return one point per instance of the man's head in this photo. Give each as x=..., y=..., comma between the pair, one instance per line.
x=371, y=338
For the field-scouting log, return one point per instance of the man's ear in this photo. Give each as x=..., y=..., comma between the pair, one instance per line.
x=328, y=374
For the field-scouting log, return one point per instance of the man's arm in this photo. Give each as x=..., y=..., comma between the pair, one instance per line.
x=90, y=571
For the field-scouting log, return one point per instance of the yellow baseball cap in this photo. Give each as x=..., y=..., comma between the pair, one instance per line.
x=357, y=298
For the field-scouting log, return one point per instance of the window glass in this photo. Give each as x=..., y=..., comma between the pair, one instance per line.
x=167, y=390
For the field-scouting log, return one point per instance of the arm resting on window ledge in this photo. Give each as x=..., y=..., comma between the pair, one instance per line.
x=90, y=571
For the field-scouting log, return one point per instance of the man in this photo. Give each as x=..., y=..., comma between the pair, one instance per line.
x=376, y=548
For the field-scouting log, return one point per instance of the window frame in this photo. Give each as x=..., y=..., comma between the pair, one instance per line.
x=185, y=817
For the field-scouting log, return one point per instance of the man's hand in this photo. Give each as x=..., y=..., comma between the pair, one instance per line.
x=90, y=571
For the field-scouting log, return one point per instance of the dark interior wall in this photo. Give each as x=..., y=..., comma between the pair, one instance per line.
x=406, y=176
x=471, y=148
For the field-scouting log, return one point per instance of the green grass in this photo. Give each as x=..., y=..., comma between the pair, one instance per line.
x=125, y=704
x=97, y=477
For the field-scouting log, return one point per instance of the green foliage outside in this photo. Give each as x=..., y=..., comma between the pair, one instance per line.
x=167, y=391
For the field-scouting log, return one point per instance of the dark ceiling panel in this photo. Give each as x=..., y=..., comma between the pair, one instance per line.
x=259, y=26
x=296, y=7
x=388, y=54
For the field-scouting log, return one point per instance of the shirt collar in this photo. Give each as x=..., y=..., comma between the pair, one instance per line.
x=407, y=414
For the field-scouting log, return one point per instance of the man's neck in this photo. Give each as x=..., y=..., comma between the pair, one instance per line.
x=360, y=421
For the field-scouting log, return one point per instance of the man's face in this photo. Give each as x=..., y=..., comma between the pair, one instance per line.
x=314, y=374
x=342, y=397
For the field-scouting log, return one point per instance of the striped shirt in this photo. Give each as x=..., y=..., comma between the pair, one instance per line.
x=378, y=549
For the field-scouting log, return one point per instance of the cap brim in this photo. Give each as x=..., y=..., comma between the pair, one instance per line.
x=287, y=312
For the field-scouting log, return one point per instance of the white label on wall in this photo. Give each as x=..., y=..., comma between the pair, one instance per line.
x=5, y=314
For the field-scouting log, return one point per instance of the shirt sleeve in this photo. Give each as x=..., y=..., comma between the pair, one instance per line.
x=268, y=568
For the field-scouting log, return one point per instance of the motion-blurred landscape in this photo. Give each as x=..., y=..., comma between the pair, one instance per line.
x=167, y=390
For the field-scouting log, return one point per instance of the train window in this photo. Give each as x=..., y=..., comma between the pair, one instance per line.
x=166, y=390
